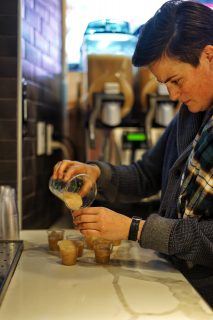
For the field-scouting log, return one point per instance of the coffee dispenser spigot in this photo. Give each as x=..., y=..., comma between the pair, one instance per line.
x=111, y=116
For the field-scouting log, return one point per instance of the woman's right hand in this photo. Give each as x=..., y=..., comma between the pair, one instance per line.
x=67, y=169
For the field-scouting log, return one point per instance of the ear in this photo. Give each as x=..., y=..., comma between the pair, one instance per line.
x=208, y=51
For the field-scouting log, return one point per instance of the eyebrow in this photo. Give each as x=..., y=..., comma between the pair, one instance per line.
x=169, y=78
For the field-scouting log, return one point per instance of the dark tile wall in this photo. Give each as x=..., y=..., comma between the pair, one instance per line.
x=41, y=64
x=41, y=52
x=8, y=92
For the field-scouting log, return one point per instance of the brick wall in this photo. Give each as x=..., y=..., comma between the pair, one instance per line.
x=8, y=91
x=41, y=67
x=41, y=51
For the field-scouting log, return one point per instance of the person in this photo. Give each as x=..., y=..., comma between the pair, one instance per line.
x=176, y=44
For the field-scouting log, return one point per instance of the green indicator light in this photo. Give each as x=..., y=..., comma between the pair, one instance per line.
x=136, y=137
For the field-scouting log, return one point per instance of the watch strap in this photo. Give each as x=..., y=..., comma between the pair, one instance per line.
x=133, y=230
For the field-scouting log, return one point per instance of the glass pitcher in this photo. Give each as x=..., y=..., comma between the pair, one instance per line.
x=78, y=192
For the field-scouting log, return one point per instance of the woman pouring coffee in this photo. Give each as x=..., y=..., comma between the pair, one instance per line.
x=176, y=44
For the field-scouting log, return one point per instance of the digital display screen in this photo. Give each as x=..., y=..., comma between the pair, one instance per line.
x=136, y=136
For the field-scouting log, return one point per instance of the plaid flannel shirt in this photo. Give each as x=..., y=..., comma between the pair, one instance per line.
x=196, y=196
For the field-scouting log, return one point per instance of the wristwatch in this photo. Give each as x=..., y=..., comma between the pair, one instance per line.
x=133, y=230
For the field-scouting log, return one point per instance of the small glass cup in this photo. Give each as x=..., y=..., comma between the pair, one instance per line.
x=53, y=237
x=89, y=242
x=78, y=192
x=68, y=252
x=57, y=187
x=102, y=249
x=116, y=242
x=78, y=240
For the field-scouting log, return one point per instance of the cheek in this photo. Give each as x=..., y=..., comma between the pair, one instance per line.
x=201, y=90
x=187, y=91
x=191, y=89
x=200, y=84
x=199, y=93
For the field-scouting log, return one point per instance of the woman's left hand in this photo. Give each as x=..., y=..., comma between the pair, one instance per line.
x=102, y=222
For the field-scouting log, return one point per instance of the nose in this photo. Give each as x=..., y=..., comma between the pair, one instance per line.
x=174, y=92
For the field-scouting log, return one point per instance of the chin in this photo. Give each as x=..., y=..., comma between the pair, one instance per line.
x=194, y=108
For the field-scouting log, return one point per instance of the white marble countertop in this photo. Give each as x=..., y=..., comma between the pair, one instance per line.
x=137, y=284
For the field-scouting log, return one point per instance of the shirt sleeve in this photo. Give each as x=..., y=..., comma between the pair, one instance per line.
x=187, y=239
x=131, y=183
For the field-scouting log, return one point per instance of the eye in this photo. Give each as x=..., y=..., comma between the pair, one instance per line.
x=175, y=82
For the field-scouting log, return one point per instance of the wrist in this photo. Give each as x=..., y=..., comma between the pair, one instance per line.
x=135, y=228
x=96, y=170
x=127, y=227
x=140, y=229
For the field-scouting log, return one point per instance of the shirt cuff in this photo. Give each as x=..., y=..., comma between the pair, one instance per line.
x=156, y=233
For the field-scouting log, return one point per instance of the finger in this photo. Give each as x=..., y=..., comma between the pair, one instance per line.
x=88, y=226
x=91, y=233
x=55, y=170
x=85, y=219
x=85, y=211
x=64, y=166
x=73, y=170
x=85, y=189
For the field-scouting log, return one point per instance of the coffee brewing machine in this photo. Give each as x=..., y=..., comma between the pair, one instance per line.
x=115, y=133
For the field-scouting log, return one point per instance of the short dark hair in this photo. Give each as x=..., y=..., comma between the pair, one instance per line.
x=179, y=29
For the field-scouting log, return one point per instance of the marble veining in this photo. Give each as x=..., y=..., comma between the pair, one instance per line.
x=135, y=289
x=138, y=284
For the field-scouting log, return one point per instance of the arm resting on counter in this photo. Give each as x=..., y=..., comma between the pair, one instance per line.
x=187, y=239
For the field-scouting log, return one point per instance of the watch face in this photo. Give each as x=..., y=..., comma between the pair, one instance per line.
x=136, y=218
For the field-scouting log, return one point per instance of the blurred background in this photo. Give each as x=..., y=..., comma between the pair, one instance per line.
x=68, y=90
x=81, y=12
